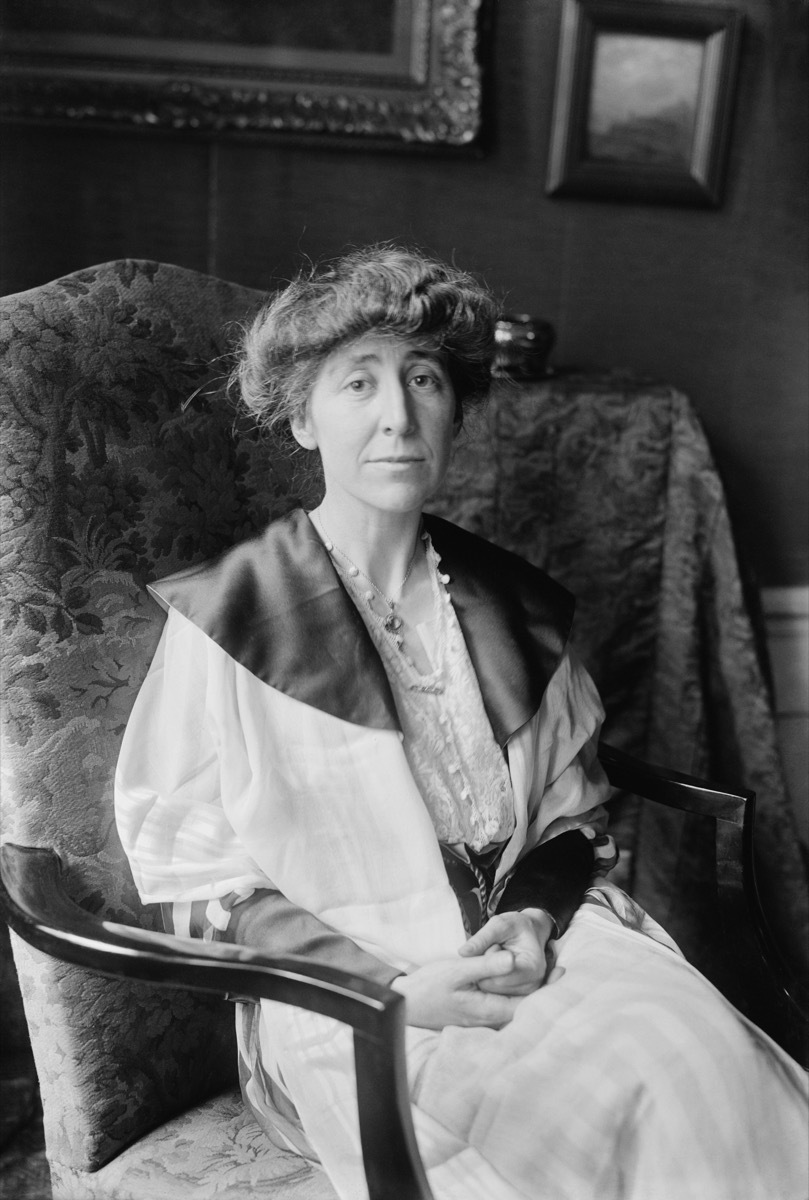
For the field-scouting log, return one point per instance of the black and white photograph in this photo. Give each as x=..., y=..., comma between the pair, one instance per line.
x=404, y=600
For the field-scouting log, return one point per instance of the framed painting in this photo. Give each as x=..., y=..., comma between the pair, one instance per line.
x=396, y=73
x=644, y=100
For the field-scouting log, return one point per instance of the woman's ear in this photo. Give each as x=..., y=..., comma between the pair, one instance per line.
x=302, y=432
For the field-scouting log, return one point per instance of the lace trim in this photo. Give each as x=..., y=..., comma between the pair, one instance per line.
x=451, y=750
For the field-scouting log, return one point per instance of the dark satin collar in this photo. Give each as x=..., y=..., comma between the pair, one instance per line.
x=515, y=620
x=276, y=605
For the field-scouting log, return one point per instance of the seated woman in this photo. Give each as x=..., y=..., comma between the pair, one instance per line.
x=365, y=739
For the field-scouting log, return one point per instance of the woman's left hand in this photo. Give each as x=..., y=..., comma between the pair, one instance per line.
x=526, y=934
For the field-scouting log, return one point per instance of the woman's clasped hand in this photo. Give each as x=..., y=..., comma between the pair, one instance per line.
x=451, y=992
x=505, y=961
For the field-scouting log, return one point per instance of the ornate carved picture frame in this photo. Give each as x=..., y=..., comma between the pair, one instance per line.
x=398, y=74
x=643, y=106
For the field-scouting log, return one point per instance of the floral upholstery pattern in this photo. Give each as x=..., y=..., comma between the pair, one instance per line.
x=105, y=483
x=216, y=1152
x=123, y=461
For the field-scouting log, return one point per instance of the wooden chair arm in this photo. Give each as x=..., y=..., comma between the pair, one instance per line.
x=760, y=981
x=684, y=792
x=36, y=905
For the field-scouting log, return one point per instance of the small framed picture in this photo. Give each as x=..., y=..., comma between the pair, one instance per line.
x=644, y=98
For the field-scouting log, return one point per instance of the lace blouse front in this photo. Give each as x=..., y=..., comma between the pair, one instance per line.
x=458, y=766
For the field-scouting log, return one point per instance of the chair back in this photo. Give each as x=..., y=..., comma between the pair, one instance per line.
x=113, y=475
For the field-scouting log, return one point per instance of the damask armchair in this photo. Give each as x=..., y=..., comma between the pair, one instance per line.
x=123, y=461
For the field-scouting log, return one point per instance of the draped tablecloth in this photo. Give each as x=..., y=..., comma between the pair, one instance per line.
x=607, y=481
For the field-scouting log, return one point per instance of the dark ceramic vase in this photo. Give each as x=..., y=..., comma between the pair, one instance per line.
x=524, y=345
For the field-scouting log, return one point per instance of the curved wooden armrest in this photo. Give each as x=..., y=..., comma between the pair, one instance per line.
x=778, y=999
x=684, y=792
x=37, y=907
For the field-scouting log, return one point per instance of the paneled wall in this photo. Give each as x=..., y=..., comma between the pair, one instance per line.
x=714, y=302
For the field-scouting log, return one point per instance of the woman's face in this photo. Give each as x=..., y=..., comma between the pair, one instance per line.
x=382, y=415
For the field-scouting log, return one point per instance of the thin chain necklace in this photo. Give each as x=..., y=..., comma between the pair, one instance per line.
x=391, y=622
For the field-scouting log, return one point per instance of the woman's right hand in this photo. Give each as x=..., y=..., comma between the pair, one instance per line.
x=446, y=992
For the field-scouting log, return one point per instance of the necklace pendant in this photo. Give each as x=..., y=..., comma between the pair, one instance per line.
x=392, y=622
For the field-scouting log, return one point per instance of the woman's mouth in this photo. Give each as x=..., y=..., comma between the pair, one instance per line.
x=399, y=460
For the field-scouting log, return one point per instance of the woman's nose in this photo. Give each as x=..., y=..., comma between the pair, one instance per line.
x=397, y=410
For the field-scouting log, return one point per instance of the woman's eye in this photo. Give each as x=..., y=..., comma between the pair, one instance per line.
x=426, y=381
x=358, y=386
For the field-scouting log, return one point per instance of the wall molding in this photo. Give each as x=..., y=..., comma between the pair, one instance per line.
x=786, y=618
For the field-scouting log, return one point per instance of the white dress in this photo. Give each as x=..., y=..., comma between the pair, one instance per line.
x=627, y=1078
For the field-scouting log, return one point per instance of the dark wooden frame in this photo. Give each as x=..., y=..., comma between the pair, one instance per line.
x=425, y=94
x=749, y=968
x=35, y=902
x=572, y=173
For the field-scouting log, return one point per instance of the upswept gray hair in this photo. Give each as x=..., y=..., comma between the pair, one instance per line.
x=381, y=289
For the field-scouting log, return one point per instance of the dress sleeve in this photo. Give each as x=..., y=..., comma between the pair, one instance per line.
x=182, y=849
x=566, y=844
